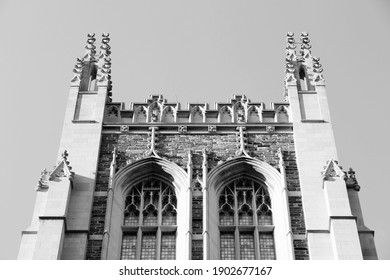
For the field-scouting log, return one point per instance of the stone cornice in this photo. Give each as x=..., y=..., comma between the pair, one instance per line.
x=198, y=128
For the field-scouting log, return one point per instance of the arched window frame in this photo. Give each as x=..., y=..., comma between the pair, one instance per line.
x=89, y=77
x=150, y=194
x=272, y=179
x=303, y=80
x=247, y=196
x=122, y=182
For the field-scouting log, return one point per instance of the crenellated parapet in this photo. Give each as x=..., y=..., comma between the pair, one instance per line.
x=238, y=110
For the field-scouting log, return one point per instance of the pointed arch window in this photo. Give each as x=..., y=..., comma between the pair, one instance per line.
x=92, y=85
x=302, y=79
x=245, y=221
x=149, y=226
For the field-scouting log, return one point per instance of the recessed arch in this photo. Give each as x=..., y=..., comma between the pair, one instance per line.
x=124, y=181
x=253, y=114
x=240, y=112
x=168, y=114
x=264, y=174
x=139, y=115
x=154, y=112
x=225, y=115
x=303, y=81
x=197, y=115
x=282, y=114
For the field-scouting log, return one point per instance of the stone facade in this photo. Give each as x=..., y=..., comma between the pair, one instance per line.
x=275, y=168
x=174, y=147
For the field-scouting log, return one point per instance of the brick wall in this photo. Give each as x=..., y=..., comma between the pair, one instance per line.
x=175, y=147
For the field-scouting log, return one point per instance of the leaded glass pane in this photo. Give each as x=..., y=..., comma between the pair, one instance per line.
x=148, y=246
x=169, y=219
x=249, y=202
x=132, y=212
x=226, y=219
x=247, y=246
x=168, y=246
x=263, y=206
x=264, y=219
x=244, y=198
x=131, y=219
x=267, y=246
x=226, y=207
x=151, y=202
x=151, y=207
x=150, y=219
x=227, y=245
x=168, y=207
x=129, y=247
x=245, y=218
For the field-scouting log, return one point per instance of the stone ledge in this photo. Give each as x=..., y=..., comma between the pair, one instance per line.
x=367, y=232
x=198, y=128
x=295, y=193
x=29, y=232
x=317, y=231
x=89, y=92
x=307, y=92
x=343, y=218
x=84, y=121
x=95, y=237
x=52, y=218
x=299, y=236
x=100, y=193
x=313, y=121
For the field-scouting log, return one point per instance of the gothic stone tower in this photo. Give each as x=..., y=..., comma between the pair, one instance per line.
x=238, y=181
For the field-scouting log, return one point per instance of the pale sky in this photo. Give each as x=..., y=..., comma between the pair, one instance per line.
x=191, y=51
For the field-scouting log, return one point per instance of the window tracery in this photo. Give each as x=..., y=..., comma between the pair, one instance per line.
x=149, y=227
x=245, y=221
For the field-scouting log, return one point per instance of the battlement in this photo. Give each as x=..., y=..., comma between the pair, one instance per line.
x=156, y=109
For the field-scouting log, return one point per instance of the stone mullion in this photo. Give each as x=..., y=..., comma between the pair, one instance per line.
x=139, y=243
x=159, y=223
x=236, y=231
x=255, y=222
x=142, y=205
x=140, y=222
x=158, y=243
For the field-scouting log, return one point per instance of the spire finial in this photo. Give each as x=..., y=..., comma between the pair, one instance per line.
x=65, y=155
x=290, y=54
x=352, y=181
x=90, y=47
x=305, y=45
x=317, y=69
x=78, y=69
x=105, y=51
x=105, y=47
x=43, y=180
x=290, y=58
